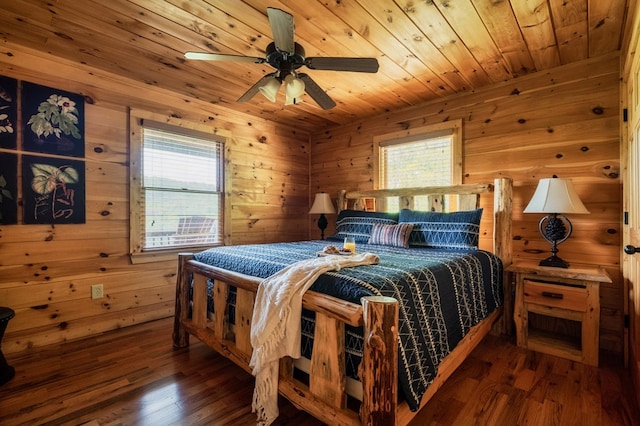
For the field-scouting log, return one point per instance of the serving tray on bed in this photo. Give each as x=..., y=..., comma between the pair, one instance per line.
x=340, y=253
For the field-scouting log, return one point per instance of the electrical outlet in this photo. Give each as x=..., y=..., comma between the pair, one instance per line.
x=97, y=291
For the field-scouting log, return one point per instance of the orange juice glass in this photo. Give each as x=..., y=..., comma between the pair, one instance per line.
x=350, y=243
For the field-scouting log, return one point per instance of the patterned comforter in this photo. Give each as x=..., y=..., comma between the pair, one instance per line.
x=441, y=295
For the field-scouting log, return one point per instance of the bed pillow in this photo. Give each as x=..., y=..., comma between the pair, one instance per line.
x=391, y=235
x=457, y=230
x=358, y=224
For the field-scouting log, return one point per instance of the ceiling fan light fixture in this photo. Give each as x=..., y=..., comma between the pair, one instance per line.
x=270, y=88
x=292, y=100
x=286, y=56
x=294, y=86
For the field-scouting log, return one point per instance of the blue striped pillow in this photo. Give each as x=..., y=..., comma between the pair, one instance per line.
x=456, y=230
x=391, y=235
x=358, y=223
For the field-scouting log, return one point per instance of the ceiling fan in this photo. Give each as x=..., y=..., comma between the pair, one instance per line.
x=287, y=56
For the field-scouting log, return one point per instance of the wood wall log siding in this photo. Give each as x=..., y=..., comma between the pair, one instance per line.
x=46, y=272
x=564, y=121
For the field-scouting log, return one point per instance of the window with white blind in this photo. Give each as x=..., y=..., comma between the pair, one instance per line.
x=426, y=156
x=177, y=188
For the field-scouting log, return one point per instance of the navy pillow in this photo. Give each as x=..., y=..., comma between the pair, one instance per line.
x=358, y=224
x=456, y=230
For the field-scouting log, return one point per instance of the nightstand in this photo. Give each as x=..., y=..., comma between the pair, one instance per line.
x=571, y=294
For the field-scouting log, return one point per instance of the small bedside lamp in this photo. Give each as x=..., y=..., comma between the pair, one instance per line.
x=322, y=205
x=555, y=196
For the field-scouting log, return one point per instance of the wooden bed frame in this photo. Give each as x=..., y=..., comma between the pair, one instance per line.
x=323, y=395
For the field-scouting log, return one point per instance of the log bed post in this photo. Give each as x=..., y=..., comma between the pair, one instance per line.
x=180, y=335
x=502, y=235
x=379, y=366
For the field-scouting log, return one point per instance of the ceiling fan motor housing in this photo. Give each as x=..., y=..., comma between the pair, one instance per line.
x=285, y=62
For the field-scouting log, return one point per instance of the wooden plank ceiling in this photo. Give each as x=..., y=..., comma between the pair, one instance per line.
x=427, y=49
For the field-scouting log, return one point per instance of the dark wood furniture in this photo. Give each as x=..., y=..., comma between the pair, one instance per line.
x=6, y=371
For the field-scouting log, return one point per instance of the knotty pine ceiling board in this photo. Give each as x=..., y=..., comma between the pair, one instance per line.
x=427, y=50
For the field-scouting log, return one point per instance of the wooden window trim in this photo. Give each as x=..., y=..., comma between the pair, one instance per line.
x=136, y=117
x=455, y=126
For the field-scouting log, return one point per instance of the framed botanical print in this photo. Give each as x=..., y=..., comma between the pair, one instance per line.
x=8, y=188
x=53, y=190
x=53, y=120
x=8, y=112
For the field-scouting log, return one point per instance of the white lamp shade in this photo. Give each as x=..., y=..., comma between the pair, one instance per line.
x=270, y=88
x=555, y=195
x=322, y=204
x=292, y=101
x=294, y=86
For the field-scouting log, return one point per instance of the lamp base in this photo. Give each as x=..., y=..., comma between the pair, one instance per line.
x=322, y=224
x=554, y=261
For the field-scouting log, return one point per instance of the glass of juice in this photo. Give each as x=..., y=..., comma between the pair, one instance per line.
x=350, y=244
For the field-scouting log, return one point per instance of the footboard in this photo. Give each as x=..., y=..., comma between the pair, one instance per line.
x=324, y=395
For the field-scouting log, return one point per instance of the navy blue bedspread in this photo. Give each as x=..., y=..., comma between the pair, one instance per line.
x=441, y=295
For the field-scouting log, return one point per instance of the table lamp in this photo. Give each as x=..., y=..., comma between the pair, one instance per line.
x=322, y=205
x=555, y=196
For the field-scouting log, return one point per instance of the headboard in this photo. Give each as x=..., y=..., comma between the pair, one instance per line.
x=459, y=197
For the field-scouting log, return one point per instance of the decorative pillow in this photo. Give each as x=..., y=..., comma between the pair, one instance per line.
x=358, y=224
x=391, y=235
x=457, y=230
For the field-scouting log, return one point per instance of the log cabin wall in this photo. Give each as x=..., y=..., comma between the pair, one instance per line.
x=46, y=272
x=564, y=122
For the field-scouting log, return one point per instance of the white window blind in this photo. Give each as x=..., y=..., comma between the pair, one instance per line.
x=182, y=188
x=422, y=160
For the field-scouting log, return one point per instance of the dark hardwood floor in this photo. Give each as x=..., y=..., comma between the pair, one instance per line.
x=133, y=376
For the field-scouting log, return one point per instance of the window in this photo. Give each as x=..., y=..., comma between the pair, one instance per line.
x=425, y=156
x=177, y=187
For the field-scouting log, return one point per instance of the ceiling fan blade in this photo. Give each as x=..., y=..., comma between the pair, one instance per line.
x=202, y=56
x=316, y=93
x=343, y=64
x=253, y=90
x=283, y=28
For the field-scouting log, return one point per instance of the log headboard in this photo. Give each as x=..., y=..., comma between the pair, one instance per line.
x=459, y=197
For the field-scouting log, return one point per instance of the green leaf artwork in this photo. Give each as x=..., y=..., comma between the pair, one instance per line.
x=56, y=116
x=5, y=124
x=46, y=177
x=4, y=192
x=52, y=120
x=53, y=190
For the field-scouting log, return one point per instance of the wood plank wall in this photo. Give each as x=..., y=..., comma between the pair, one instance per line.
x=46, y=272
x=564, y=122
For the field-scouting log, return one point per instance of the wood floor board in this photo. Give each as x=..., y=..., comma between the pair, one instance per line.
x=133, y=376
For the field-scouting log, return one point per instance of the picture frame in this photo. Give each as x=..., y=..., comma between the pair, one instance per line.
x=8, y=188
x=53, y=190
x=8, y=112
x=52, y=121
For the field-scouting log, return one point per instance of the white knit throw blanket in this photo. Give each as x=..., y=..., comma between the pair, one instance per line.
x=275, y=326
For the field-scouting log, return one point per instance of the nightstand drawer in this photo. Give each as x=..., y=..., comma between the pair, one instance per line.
x=553, y=295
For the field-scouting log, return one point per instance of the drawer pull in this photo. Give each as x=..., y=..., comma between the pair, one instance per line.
x=552, y=295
